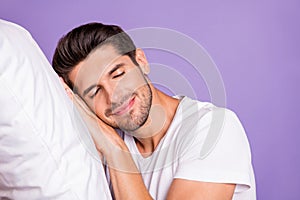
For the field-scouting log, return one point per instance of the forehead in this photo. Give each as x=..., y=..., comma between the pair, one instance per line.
x=90, y=70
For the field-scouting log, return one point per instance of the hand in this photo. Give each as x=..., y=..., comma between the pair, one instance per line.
x=105, y=137
x=67, y=88
x=110, y=145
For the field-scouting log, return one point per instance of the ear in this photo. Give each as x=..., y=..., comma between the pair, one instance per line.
x=141, y=59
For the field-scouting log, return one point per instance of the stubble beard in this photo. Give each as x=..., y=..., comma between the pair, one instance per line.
x=136, y=118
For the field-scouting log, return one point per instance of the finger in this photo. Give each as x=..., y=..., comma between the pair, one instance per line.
x=67, y=88
x=81, y=105
x=63, y=82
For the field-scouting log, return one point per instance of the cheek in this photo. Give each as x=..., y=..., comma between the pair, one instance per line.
x=133, y=80
x=96, y=107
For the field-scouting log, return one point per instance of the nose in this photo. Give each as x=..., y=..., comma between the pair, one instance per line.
x=112, y=94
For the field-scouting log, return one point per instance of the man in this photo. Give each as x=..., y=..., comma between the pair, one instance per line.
x=165, y=135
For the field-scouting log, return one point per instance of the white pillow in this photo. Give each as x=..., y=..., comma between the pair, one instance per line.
x=42, y=155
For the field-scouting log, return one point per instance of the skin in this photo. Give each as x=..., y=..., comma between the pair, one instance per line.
x=110, y=86
x=118, y=94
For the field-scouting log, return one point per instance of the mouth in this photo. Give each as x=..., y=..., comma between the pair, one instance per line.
x=127, y=105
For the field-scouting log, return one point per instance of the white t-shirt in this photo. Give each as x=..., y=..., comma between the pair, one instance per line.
x=203, y=143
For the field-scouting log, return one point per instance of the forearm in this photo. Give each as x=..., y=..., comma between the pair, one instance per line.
x=125, y=177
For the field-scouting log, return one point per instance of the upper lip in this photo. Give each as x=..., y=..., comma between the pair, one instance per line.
x=122, y=107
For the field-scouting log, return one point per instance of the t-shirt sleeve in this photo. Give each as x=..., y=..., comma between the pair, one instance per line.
x=219, y=153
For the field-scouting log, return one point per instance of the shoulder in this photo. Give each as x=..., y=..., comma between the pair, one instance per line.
x=205, y=125
x=215, y=148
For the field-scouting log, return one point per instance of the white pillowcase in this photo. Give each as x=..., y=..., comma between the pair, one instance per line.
x=44, y=146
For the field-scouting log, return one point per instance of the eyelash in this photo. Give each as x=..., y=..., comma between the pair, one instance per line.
x=93, y=95
x=118, y=75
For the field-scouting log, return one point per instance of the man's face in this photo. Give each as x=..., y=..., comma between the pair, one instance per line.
x=114, y=87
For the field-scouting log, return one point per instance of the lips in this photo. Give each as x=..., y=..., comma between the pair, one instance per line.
x=127, y=105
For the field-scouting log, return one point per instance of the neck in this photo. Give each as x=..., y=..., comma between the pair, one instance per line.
x=160, y=117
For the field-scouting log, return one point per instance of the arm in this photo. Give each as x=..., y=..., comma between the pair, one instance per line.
x=125, y=177
x=225, y=168
x=186, y=189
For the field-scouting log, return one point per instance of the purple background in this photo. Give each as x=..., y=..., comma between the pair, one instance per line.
x=256, y=46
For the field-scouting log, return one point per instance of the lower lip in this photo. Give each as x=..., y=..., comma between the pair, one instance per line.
x=128, y=107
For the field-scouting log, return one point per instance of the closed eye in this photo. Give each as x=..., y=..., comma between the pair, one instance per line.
x=95, y=92
x=117, y=71
x=118, y=75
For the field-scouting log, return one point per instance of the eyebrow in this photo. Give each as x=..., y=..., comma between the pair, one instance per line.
x=86, y=91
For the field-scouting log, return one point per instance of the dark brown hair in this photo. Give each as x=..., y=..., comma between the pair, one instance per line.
x=76, y=45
